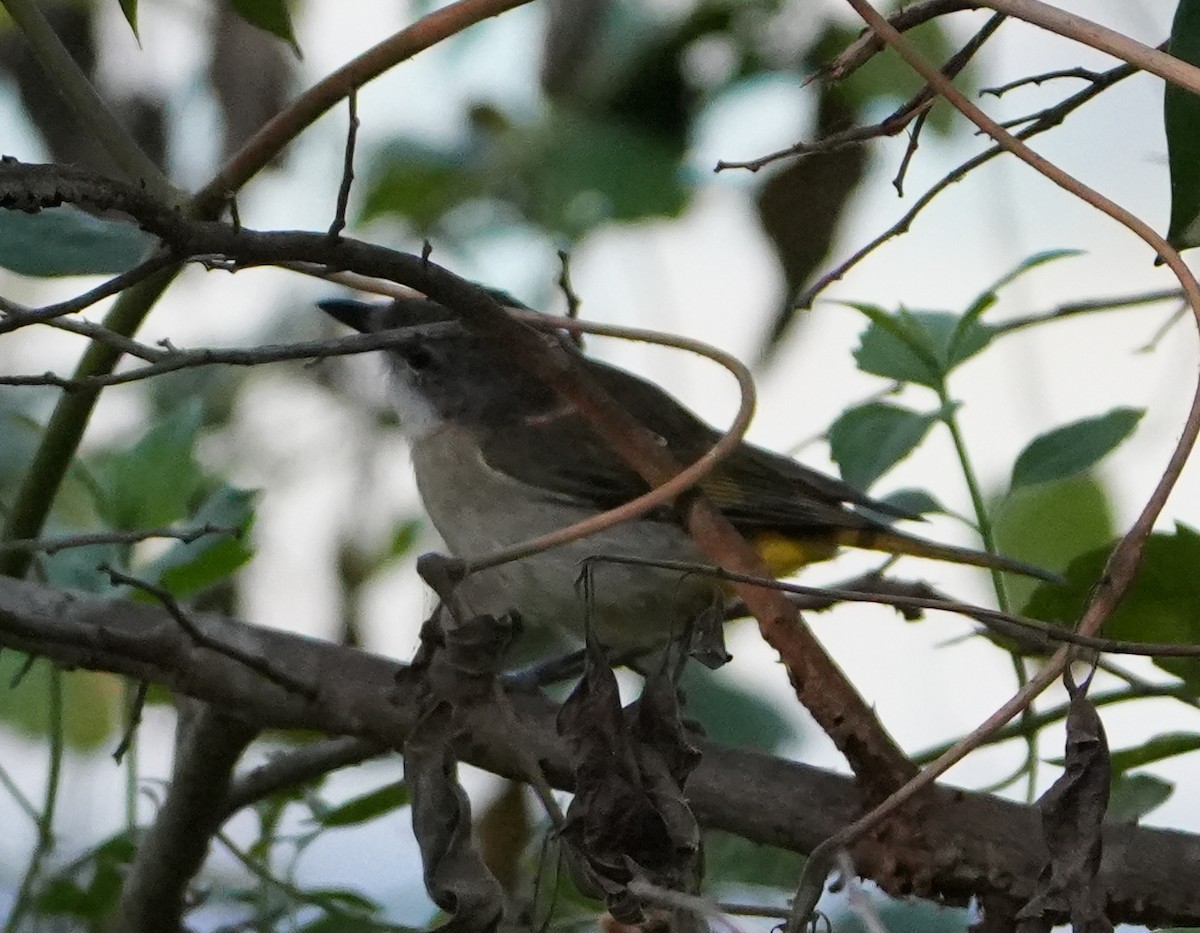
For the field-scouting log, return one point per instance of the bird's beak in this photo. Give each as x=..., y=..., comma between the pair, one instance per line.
x=361, y=315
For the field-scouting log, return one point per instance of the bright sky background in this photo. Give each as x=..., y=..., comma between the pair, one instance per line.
x=709, y=275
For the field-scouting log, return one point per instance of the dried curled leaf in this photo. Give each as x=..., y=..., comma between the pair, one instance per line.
x=629, y=819
x=1072, y=822
x=455, y=876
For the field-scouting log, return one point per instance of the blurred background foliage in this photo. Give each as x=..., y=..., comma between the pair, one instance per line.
x=625, y=91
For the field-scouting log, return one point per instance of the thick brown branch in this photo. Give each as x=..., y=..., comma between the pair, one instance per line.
x=974, y=844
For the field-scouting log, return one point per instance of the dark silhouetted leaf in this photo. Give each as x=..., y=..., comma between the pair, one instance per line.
x=869, y=440
x=802, y=203
x=271, y=15
x=130, y=9
x=1181, y=116
x=1074, y=447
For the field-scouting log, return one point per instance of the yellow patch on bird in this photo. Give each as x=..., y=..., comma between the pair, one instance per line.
x=785, y=555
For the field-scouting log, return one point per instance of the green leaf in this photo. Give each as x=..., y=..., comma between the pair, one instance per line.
x=191, y=566
x=1157, y=748
x=916, y=501
x=868, y=440
x=731, y=714
x=404, y=537
x=730, y=859
x=574, y=171
x=419, y=183
x=68, y=241
x=1134, y=795
x=153, y=482
x=130, y=9
x=921, y=347
x=1181, y=116
x=78, y=568
x=91, y=701
x=1049, y=525
x=270, y=15
x=1163, y=605
x=366, y=807
x=1073, y=448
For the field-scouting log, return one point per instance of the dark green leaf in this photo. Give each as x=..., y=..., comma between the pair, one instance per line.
x=366, y=807
x=152, y=483
x=731, y=714
x=130, y=9
x=575, y=171
x=730, y=859
x=1049, y=525
x=419, y=183
x=1073, y=448
x=916, y=501
x=921, y=347
x=1157, y=748
x=868, y=440
x=1133, y=796
x=1181, y=116
x=271, y=15
x=68, y=241
x=189, y=567
x=1163, y=605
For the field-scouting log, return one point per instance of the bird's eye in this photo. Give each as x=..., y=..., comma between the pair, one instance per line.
x=418, y=357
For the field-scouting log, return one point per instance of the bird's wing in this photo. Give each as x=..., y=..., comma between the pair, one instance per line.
x=753, y=487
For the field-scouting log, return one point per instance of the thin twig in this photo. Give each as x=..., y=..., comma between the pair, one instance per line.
x=54, y=545
x=13, y=317
x=1073, y=308
x=1046, y=120
x=1003, y=622
x=1086, y=74
x=258, y=664
x=133, y=720
x=343, y=198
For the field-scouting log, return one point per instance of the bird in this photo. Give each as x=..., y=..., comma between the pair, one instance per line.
x=500, y=458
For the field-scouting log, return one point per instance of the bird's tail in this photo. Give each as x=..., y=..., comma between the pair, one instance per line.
x=895, y=542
